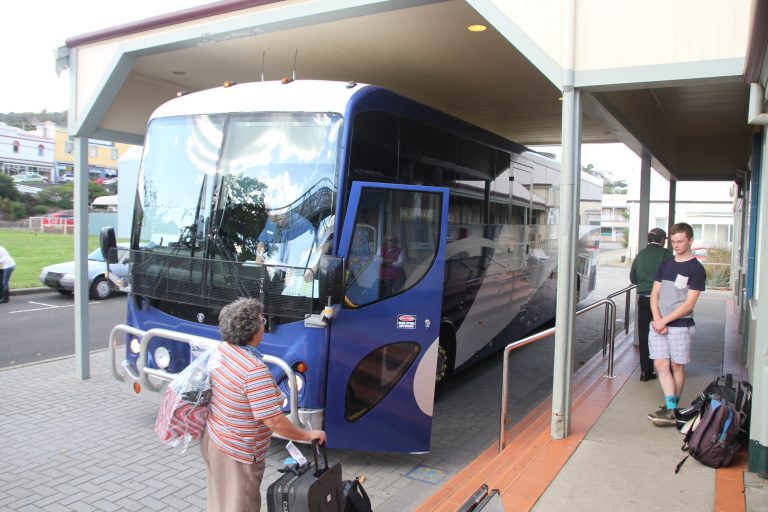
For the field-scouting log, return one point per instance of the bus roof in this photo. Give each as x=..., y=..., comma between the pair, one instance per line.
x=273, y=96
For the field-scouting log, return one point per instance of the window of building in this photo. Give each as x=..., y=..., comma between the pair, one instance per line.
x=40, y=150
x=696, y=231
x=662, y=222
x=68, y=147
x=113, y=153
x=93, y=151
x=16, y=146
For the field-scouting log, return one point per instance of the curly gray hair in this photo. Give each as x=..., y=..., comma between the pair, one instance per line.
x=240, y=321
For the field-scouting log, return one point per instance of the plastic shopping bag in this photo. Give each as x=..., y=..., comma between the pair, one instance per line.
x=184, y=406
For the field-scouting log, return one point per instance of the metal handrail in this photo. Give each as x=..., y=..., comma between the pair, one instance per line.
x=628, y=292
x=142, y=372
x=608, y=303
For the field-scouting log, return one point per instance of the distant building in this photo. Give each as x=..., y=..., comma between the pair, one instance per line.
x=706, y=205
x=102, y=156
x=22, y=151
x=614, y=218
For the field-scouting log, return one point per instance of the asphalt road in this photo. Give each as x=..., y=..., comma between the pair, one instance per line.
x=42, y=326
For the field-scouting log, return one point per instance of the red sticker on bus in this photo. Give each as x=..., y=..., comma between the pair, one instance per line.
x=406, y=321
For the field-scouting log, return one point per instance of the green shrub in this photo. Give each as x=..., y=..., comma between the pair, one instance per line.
x=718, y=267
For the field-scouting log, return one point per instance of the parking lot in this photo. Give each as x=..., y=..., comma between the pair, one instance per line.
x=41, y=326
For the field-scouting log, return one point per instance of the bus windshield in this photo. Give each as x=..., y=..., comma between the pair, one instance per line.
x=261, y=184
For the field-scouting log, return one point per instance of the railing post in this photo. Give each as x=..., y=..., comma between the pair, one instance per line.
x=612, y=342
x=504, y=398
x=626, y=311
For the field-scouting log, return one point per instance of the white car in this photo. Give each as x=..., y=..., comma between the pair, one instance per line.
x=61, y=276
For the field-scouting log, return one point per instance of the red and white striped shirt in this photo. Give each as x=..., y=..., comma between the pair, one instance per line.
x=244, y=394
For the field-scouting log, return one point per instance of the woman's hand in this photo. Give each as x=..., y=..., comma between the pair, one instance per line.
x=316, y=435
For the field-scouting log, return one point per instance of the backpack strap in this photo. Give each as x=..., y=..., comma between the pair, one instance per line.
x=680, y=464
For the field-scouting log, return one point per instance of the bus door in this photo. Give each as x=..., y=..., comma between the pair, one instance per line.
x=384, y=341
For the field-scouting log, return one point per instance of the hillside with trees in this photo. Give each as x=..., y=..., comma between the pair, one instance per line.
x=29, y=120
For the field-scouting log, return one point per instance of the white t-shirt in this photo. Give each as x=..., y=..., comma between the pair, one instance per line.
x=5, y=259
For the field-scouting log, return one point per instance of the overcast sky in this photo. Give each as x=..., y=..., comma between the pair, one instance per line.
x=32, y=30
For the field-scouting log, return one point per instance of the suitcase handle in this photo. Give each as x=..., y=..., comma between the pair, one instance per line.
x=316, y=451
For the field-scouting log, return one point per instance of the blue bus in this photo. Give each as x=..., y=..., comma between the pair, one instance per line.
x=391, y=245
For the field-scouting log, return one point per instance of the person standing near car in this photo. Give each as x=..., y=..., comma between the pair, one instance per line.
x=642, y=274
x=6, y=269
x=679, y=282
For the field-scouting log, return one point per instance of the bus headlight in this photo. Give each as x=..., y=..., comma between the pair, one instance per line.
x=287, y=390
x=135, y=345
x=162, y=357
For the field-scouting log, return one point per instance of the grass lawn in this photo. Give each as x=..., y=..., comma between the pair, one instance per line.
x=33, y=250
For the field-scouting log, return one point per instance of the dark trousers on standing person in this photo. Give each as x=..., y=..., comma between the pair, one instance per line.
x=644, y=318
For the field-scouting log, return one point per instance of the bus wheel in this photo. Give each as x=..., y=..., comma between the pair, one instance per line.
x=444, y=354
x=442, y=364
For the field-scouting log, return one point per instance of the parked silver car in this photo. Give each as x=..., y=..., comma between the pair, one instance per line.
x=61, y=276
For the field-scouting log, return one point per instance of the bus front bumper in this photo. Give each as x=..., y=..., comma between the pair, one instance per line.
x=150, y=383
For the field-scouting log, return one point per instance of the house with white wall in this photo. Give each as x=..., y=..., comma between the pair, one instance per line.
x=706, y=206
x=27, y=151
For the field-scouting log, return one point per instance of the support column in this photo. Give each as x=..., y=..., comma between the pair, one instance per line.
x=645, y=201
x=672, y=205
x=566, y=267
x=82, y=342
x=758, y=427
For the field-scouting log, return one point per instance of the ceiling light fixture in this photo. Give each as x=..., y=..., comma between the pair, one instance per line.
x=477, y=28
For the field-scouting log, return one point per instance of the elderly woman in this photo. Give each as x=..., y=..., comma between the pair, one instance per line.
x=246, y=407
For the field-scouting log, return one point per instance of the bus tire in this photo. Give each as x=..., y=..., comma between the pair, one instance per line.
x=444, y=354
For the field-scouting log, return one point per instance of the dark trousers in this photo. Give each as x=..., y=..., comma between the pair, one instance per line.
x=644, y=318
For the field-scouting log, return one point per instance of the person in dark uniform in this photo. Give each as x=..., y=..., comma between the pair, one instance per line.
x=642, y=274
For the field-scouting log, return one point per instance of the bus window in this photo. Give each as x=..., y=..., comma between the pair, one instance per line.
x=376, y=375
x=394, y=242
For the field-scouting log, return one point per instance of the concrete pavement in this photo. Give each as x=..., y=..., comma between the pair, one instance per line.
x=83, y=445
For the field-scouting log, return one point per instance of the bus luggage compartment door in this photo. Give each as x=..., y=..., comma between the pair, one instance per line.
x=384, y=342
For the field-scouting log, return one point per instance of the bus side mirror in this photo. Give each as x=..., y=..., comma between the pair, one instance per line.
x=108, y=243
x=331, y=279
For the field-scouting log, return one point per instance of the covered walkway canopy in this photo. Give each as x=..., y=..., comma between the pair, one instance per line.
x=665, y=79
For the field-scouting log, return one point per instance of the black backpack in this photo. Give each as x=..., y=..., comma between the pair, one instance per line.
x=355, y=497
x=738, y=393
x=712, y=437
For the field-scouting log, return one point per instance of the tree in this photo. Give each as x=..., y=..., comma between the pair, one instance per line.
x=29, y=120
x=610, y=186
x=62, y=196
x=8, y=188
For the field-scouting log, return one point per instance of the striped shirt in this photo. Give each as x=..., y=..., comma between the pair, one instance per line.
x=244, y=394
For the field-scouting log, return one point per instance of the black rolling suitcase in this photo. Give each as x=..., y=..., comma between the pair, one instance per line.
x=307, y=488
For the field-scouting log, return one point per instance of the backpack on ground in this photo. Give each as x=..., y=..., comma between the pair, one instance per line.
x=712, y=437
x=739, y=393
x=354, y=496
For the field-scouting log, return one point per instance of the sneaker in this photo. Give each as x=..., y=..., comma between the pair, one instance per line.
x=663, y=417
x=652, y=415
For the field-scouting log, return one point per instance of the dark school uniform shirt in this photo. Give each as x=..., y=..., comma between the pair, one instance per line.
x=676, y=279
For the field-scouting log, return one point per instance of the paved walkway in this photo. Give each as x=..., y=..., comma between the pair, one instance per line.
x=83, y=445
x=616, y=459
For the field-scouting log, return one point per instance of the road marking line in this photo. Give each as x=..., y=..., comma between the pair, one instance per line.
x=39, y=309
x=43, y=304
